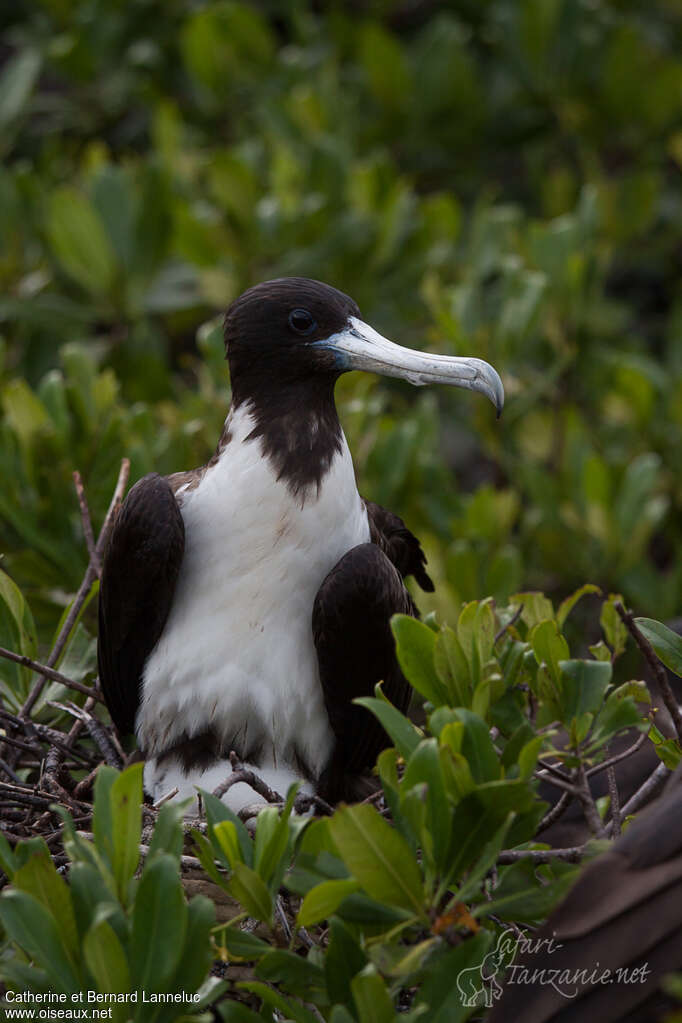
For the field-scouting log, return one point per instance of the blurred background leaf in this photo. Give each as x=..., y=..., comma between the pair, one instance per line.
x=499, y=179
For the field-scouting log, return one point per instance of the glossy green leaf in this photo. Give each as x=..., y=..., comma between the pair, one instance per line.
x=250, y=890
x=78, y=239
x=35, y=929
x=666, y=643
x=415, y=644
x=323, y=900
x=159, y=924
x=378, y=857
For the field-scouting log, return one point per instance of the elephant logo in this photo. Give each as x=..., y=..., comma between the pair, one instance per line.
x=478, y=985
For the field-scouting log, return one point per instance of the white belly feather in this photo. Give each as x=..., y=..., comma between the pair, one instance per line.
x=238, y=642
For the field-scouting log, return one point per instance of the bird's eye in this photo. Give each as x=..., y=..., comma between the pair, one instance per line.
x=301, y=321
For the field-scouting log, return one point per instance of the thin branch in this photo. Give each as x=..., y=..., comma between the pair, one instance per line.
x=512, y=621
x=645, y=793
x=557, y=772
x=558, y=782
x=87, y=524
x=48, y=672
x=243, y=774
x=617, y=757
x=96, y=730
x=584, y=793
x=83, y=591
x=656, y=666
x=9, y=772
x=615, y=801
x=572, y=854
x=555, y=812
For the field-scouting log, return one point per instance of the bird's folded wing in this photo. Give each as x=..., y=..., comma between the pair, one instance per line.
x=140, y=569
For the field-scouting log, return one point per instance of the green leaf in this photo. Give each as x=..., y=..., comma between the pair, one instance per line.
x=39, y=877
x=343, y=960
x=126, y=819
x=400, y=729
x=612, y=625
x=372, y=1000
x=666, y=643
x=378, y=857
x=323, y=900
x=8, y=860
x=236, y=1012
x=21, y=614
x=300, y=976
x=536, y=607
x=584, y=685
x=250, y=890
x=273, y=839
x=567, y=605
x=159, y=924
x=452, y=668
x=549, y=646
x=529, y=903
x=440, y=996
x=476, y=745
x=78, y=239
x=107, y=962
x=289, y=1010
x=167, y=836
x=102, y=819
x=17, y=83
x=35, y=930
x=415, y=644
x=195, y=961
x=226, y=834
x=243, y=944
x=217, y=811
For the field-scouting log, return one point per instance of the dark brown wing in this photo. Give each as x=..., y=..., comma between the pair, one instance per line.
x=401, y=547
x=355, y=650
x=625, y=911
x=139, y=573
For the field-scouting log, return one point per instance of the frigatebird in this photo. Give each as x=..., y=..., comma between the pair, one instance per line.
x=245, y=604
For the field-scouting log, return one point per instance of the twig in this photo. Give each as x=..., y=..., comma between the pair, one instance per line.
x=584, y=793
x=306, y=800
x=558, y=782
x=243, y=774
x=87, y=524
x=48, y=672
x=95, y=729
x=555, y=812
x=646, y=792
x=165, y=798
x=185, y=861
x=617, y=757
x=512, y=621
x=656, y=666
x=572, y=854
x=83, y=590
x=615, y=801
x=41, y=733
x=545, y=764
x=9, y=772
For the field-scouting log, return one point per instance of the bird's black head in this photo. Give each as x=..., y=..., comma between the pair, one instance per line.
x=288, y=340
x=275, y=335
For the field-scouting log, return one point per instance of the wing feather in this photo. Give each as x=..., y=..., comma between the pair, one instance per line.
x=139, y=572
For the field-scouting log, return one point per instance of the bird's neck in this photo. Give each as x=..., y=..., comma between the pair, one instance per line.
x=299, y=431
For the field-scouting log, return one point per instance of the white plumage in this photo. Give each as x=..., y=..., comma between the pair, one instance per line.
x=237, y=646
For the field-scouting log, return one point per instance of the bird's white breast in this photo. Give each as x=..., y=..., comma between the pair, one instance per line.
x=237, y=650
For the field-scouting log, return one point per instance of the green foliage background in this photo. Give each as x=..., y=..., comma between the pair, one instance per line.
x=495, y=178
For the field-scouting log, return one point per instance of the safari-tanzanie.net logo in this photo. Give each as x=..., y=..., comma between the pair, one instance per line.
x=482, y=985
